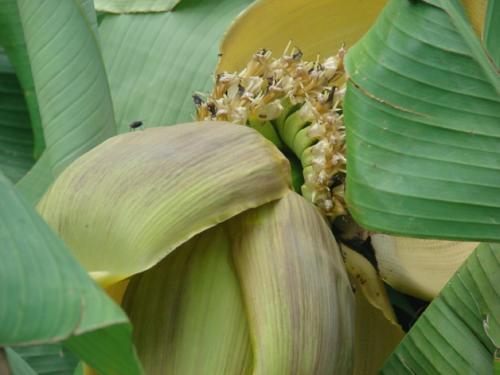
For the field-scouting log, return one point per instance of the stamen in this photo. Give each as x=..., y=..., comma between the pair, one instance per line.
x=259, y=93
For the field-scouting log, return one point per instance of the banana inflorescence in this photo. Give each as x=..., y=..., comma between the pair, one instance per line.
x=296, y=104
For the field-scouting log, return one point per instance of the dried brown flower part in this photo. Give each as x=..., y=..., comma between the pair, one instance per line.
x=303, y=101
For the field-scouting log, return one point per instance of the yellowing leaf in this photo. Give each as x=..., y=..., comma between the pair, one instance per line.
x=126, y=204
x=419, y=267
x=316, y=27
x=296, y=291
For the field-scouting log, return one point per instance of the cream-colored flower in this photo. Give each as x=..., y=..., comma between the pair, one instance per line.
x=270, y=89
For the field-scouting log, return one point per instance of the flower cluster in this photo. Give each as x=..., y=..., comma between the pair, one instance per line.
x=268, y=88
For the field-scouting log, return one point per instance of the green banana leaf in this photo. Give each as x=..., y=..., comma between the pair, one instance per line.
x=51, y=298
x=52, y=359
x=460, y=331
x=492, y=30
x=422, y=113
x=16, y=136
x=155, y=62
x=63, y=58
x=17, y=365
x=12, y=40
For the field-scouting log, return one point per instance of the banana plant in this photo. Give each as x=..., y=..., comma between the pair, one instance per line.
x=195, y=230
x=310, y=257
x=251, y=293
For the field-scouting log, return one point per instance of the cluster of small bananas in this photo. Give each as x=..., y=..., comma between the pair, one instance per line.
x=268, y=89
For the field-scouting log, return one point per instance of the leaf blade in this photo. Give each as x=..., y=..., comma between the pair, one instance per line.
x=48, y=359
x=46, y=295
x=492, y=30
x=156, y=62
x=18, y=366
x=12, y=39
x=16, y=139
x=453, y=324
x=422, y=139
x=72, y=89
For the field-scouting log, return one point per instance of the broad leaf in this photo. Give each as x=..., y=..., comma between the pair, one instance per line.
x=156, y=62
x=460, y=331
x=16, y=136
x=70, y=82
x=12, y=40
x=17, y=365
x=89, y=12
x=422, y=114
x=123, y=206
x=48, y=359
x=492, y=30
x=46, y=296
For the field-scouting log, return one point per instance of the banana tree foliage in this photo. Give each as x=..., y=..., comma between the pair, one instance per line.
x=460, y=331
x=48, y=297
x=194, y=228
x=424, y=112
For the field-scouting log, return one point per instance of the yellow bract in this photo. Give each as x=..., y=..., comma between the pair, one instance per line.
x=377, y=331
x=126, y=204
x=188, y=312
x=419, y=267
x=316, y=27
x=263, y=293
x=297, y=295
